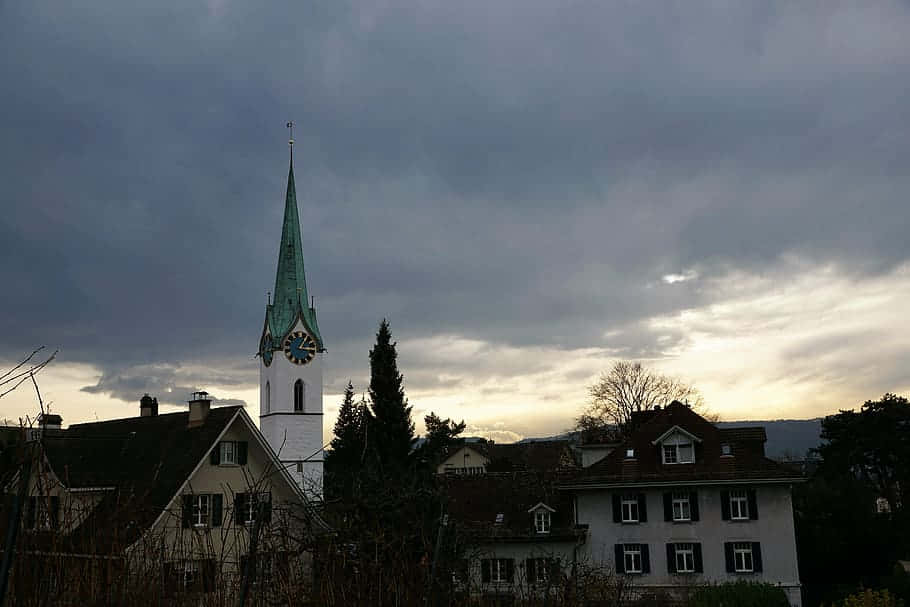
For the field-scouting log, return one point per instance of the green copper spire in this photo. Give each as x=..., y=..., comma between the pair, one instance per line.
x=291, y=300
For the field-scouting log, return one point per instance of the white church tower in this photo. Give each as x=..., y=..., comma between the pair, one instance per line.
x=291, y=355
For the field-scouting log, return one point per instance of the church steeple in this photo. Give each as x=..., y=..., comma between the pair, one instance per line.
x=291, y=300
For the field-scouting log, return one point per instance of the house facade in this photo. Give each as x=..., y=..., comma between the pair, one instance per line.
x=164, y=506
x=683, y=503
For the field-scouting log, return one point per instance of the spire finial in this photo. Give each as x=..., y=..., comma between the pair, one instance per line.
x=290, y=126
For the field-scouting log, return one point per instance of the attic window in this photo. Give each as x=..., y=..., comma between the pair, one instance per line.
x=630, y=453
x=725, y=449
x=542, y=521
x=499, y=518
x=678, y=450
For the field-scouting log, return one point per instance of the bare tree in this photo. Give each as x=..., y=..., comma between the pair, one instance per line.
x=627, y=388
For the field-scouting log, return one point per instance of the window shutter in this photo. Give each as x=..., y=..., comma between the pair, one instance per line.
x=671, y=558
x=620, y=563
x=725, y=505
x=530, y=570
x=485, y=571
x=187, y=511
x=241, y=453
x=699, y=568
x=208, y=575
x=617, y=508
x=728, y=556
x=753, y=504
x=668, y=506
x=555, y=571
x=239, y=508
x=169, y=581
x=215, y=455
x=268, y=508
x=510, y=569
x=217, y=507
x=756, y=557
x=693, y=505
x=55, y=512
x=642, y=508
x=645, y=559
x=30, y=507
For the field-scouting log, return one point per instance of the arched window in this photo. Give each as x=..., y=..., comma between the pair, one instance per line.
x=298, y=396
x=268, y=397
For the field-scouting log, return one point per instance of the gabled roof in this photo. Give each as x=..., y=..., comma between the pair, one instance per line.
x=748, y=463
x=675, y=430
x=530, y=455
x=474, y=502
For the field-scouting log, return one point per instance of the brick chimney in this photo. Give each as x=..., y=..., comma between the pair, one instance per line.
x=199, y=408
x=148, y=406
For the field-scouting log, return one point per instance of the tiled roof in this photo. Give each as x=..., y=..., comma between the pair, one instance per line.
x=746, y=462
x=530, y=455
x=145, y=459
x=475, y=502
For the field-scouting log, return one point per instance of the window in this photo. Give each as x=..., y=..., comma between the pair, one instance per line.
x=467, y=471
x=725, y=449
x=630, y=509
x=678, y=450
x=202, y=510
x=298, y=396
x=229, y=453
x=500, y=518
x=542, y=521
x=742, y=557
x=247, y=506
x=300, y=467
x=541, y=571
x=739, y=505
x=191, y=575
x=681, y=507
x=268, y=397
x=496, y=571
x=631, y=554
x=263, y=572
x=630, y=453
x=685, y=558
x=200, y=516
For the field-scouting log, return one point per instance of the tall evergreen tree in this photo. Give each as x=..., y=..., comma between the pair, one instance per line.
x=391, y=428
x=347, y=446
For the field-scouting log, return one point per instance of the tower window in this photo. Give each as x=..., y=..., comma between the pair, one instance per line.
x=268, y=397
x=298, y=396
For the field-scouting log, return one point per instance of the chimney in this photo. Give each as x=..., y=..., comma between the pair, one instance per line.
x=50, y=421
x=148, y=406
x=199, y=408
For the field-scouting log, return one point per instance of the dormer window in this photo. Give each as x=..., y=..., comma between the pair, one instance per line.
x=630, y=453
x=542, y=521
x=500, y=518
x=678, y=449
x=725, y=449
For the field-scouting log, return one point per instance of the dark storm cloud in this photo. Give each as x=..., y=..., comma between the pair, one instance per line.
x=522, y=172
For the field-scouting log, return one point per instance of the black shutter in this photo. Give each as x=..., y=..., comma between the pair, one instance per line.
x=187, y=511
x=693, y=505
x=510, y=570
x=530, y=570
x=668, y=506
x=728, y=556
x=215, y=455
x=645, y=559
x=555, y=571
x=208, y=575
x=485, y=571
x=241, y=453
x=725, y=505
x=617, y=508
x=268, y=507
x=642, y=508
x=169, y=575
x=753, y=504
x=30, y=507
x=620, y=563
x=699, y=567
x=217, y=508
x=240, y=508
x=671, y=558
x=55, y=512
x=756, y=557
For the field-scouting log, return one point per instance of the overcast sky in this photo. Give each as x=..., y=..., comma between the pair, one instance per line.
x=527, y=190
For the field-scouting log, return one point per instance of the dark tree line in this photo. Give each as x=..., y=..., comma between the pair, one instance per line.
x=852, y=519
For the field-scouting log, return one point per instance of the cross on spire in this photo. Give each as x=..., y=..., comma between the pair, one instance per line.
x=290, y=126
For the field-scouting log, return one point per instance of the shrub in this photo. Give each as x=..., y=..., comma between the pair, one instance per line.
x=739, y=594
x=870, y=598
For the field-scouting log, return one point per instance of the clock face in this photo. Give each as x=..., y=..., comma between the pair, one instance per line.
x=299, y=347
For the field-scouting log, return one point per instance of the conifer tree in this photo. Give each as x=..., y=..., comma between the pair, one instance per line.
x=347, y=446
x=391, y=428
